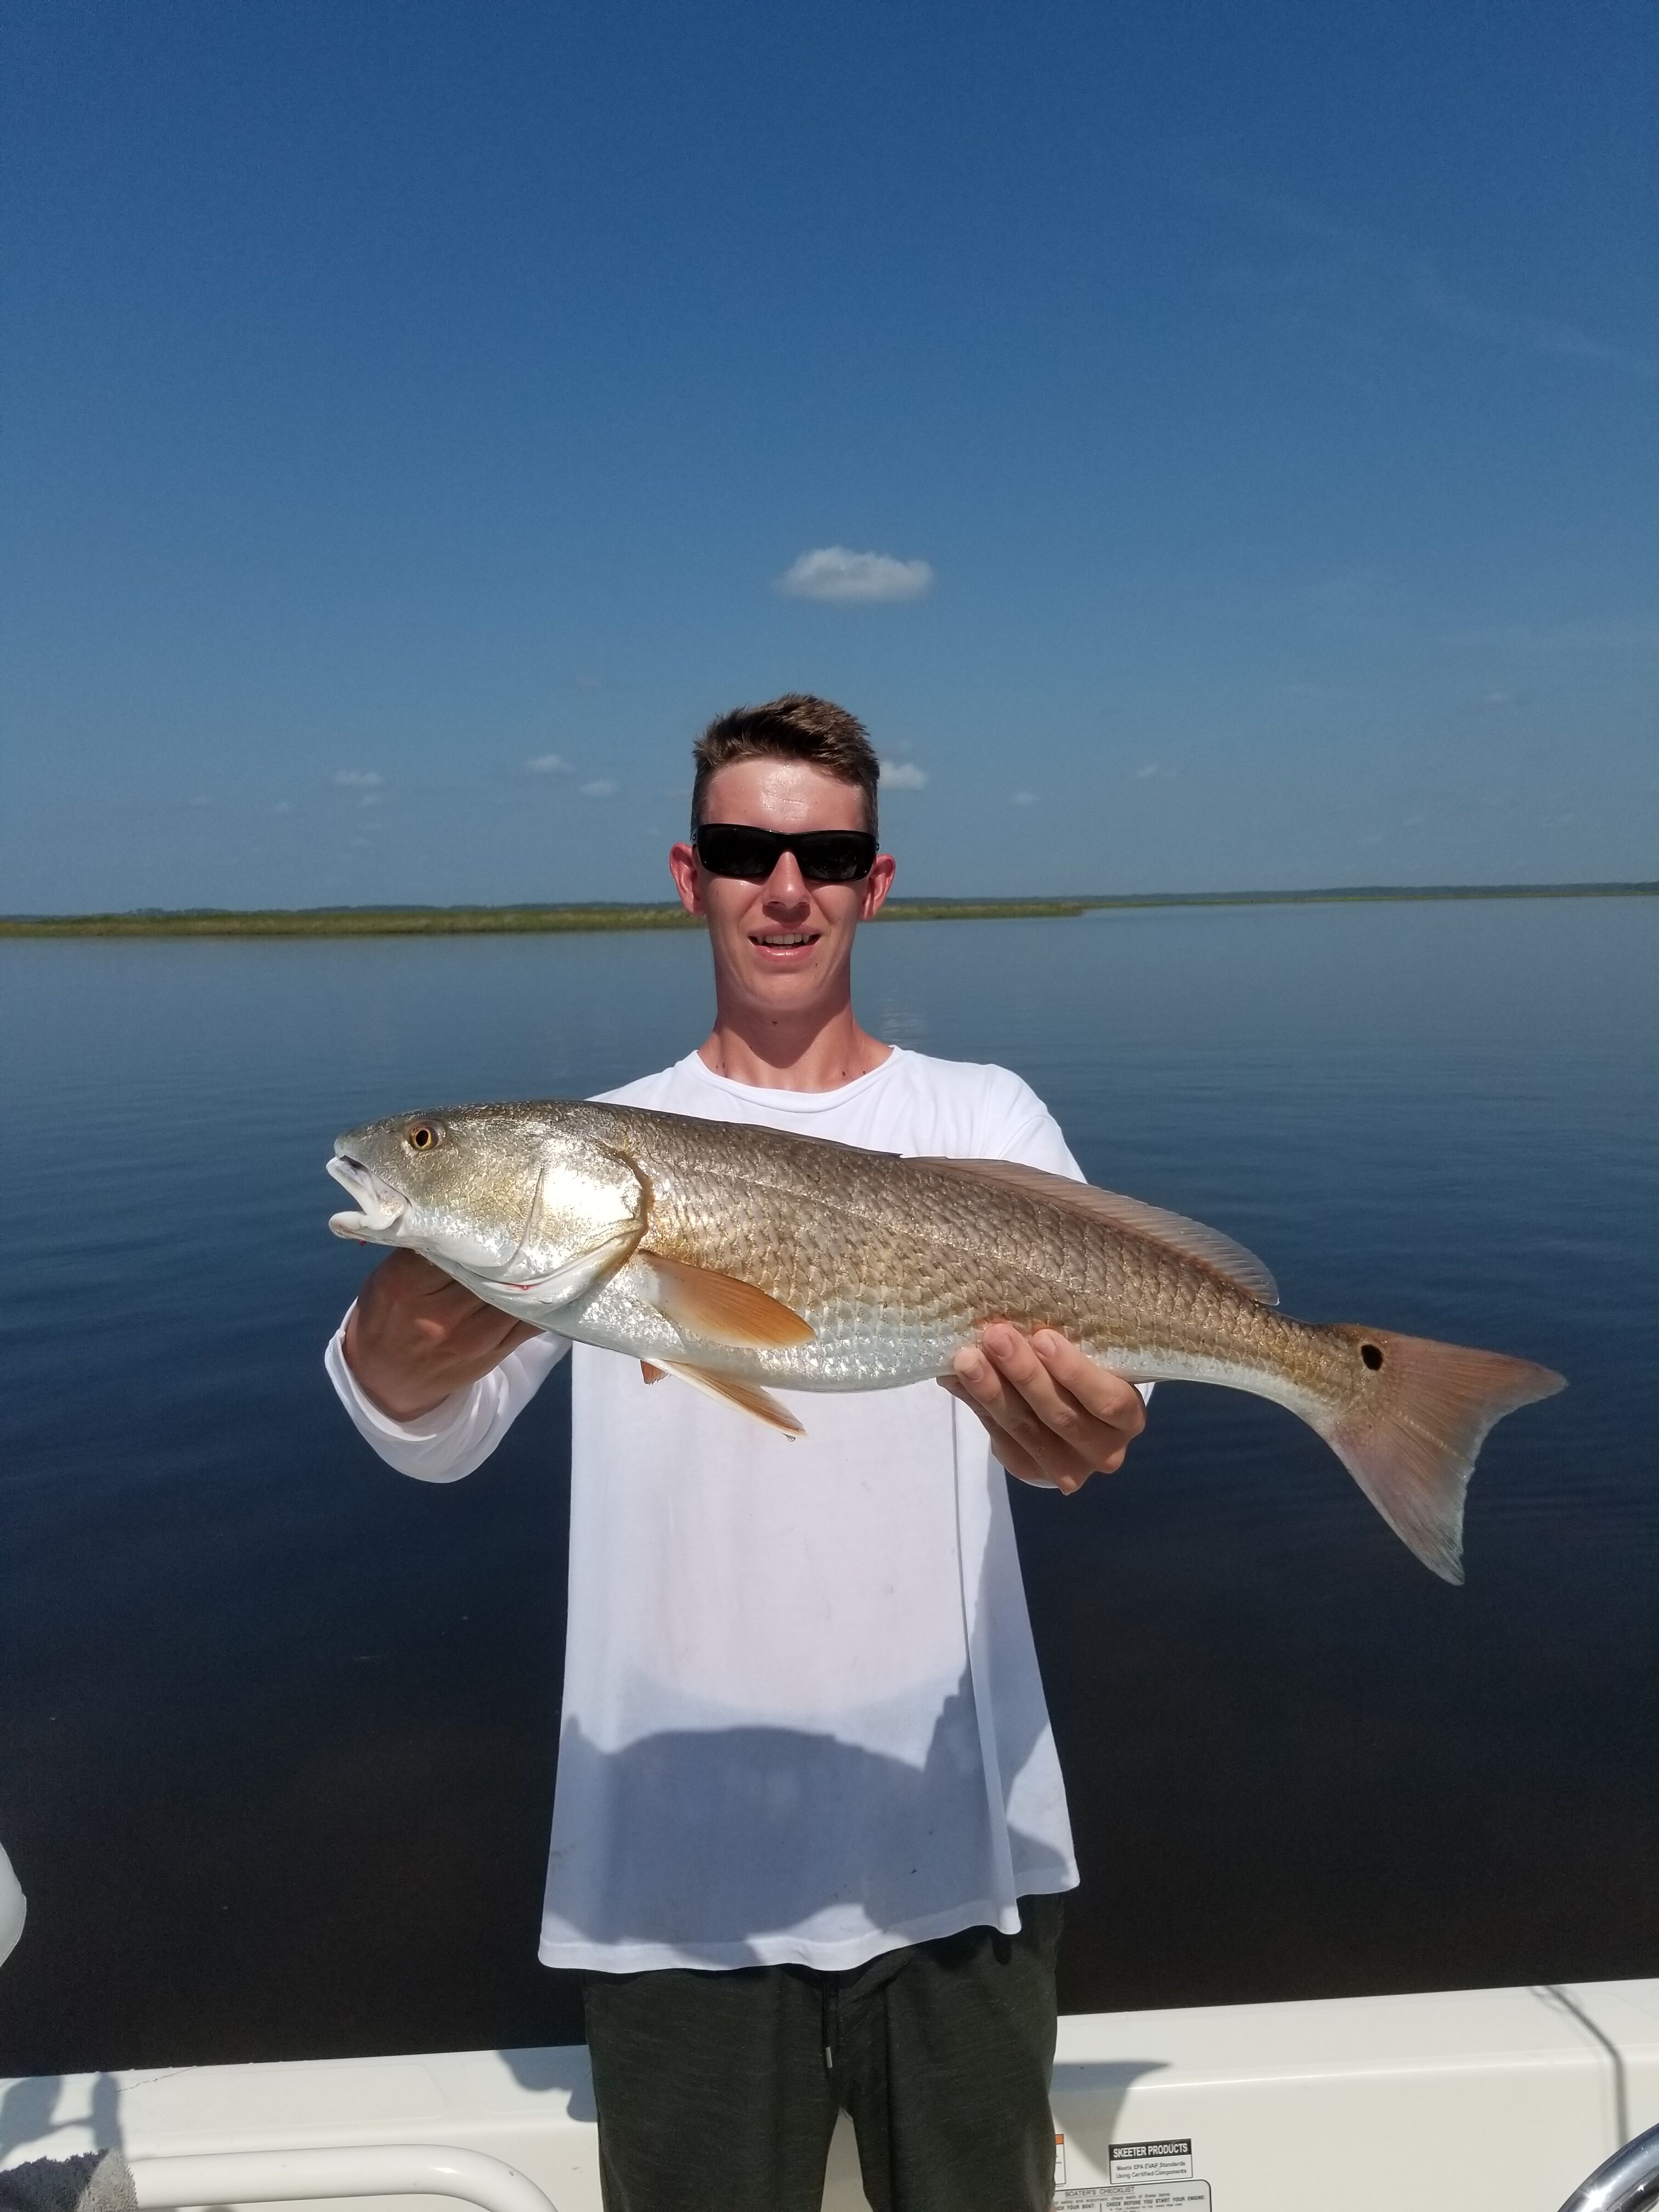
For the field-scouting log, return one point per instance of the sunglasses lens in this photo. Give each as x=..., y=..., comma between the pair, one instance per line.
x=728, y=848
x=835, y=856
x=824, y=856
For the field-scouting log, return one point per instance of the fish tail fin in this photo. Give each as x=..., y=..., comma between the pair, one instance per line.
x=1410, y=1434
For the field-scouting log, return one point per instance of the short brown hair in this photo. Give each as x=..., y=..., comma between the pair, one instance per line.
x=797, y=726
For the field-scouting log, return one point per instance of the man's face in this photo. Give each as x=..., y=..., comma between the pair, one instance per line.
x=787, y=942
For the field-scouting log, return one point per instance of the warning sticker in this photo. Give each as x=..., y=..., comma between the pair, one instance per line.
x=1136, y=2197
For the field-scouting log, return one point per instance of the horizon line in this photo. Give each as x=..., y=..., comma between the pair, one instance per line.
x=526, y=917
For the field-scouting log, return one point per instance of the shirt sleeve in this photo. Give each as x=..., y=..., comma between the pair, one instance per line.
x=460, y=1434
x=1037, y=1143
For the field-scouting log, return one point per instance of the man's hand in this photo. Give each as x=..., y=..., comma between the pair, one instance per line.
x=415, y=1336
x=1053, y=1415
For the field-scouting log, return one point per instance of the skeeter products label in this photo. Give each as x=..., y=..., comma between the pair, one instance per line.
x=1143, y=2177
x=1170, y=2159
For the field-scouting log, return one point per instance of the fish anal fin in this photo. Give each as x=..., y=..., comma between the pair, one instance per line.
x=650, y=1374
x=720, y=1308
x=747, y=1397
x=1189, y=1240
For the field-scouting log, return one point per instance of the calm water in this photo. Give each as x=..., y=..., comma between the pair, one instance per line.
x=278, y=1726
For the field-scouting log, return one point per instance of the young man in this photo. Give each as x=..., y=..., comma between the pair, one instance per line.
x=809, y=1829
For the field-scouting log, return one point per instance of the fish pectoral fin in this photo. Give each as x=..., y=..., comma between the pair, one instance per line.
x=1191, y=1240
x=650, y=1374
x=747, y=1397
x=701, y=1302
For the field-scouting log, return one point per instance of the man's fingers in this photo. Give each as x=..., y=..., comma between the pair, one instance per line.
x=1060, y=1469
x=467, y=1326
x=994, y=1394
x=1034, y=1408
x=409, y=1292
x=1054, y=1416
x=412, y=1274
x=416, y=1335
x=1100, y=1393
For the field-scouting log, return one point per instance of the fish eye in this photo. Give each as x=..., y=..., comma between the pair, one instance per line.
x=1372, y=1356
x=423, y=1137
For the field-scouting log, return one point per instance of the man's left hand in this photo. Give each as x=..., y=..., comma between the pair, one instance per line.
x=1053, y=1415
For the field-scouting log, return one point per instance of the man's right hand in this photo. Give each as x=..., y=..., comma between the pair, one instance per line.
x=415, y=1336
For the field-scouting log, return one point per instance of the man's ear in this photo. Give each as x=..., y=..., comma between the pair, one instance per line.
x=876, y=884
x=682, y=866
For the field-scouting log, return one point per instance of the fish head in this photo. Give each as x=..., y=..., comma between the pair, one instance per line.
x=509, y=1199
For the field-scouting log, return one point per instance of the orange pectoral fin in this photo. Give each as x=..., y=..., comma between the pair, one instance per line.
x=651, y=1374
x=721, y=1308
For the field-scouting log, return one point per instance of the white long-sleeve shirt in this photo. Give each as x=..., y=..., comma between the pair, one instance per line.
x=803, y=1721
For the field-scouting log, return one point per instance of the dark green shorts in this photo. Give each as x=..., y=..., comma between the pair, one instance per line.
x=719, y=2091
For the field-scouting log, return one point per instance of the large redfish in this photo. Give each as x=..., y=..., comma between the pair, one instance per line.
x=738, y=1257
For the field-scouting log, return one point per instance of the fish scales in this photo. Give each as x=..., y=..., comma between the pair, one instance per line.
x=867, y=1245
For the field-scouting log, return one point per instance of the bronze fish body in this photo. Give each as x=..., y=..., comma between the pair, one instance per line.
x=739, y=1258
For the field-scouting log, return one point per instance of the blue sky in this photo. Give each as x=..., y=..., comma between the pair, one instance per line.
x=1252, y=414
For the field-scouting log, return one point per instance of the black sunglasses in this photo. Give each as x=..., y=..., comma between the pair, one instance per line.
x=824, y=856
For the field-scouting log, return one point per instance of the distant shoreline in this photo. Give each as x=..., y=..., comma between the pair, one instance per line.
x=543, y=921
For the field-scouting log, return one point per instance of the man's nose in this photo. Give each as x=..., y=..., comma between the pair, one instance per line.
x=785, y=885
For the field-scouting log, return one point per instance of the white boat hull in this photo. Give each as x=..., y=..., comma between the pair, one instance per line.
x=1480, y=2100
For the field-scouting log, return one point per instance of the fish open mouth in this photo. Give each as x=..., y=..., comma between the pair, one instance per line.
x=381, y=1205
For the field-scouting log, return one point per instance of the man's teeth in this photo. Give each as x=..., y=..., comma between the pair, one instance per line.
x=787, y=938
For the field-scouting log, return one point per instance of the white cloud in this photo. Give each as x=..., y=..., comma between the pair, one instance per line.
x=283, y=806
x=201, y=799
x=547, y=765
x=359, y=779
x=601, y=788
x=903, y=776
x=1142, y=774
x=835, y=574
x=1024, y=799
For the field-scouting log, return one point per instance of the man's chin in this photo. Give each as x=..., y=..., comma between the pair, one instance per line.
x=795, y=980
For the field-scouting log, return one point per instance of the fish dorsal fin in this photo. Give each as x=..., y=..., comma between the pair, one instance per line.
x=747, y=1397
x=701, y=1302
x=1192, y=1240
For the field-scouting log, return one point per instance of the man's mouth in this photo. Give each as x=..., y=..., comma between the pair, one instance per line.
x=784, y=941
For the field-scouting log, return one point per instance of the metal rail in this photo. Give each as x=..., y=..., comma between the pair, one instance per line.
x=1628, y=2182
x=273, y=2177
